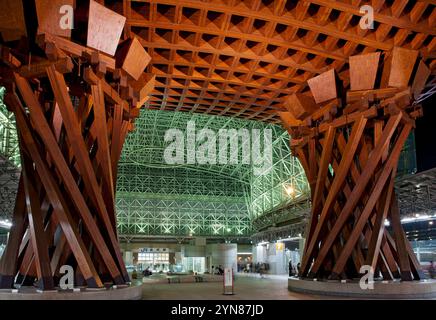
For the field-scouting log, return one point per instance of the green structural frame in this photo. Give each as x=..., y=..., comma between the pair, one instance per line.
x=8, y=134
x=284, y=182
x=155, y=198
x=9, y=160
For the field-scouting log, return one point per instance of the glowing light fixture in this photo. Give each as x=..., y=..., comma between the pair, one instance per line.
x=5, y=224
x=290, y=190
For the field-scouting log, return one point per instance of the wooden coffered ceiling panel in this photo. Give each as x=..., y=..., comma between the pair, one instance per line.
x=244, y=58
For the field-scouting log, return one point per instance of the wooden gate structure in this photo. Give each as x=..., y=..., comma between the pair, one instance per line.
x=76, y=93
x=349, y=142
x=74, y=105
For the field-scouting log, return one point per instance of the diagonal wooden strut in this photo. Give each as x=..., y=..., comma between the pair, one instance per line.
x=58, y=159
x=358, y=189
x=359, y=225
x=356, y=134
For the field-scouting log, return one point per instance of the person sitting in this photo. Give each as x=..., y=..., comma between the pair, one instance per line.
x=147, y=272
x=134, y=274
x=262, y=270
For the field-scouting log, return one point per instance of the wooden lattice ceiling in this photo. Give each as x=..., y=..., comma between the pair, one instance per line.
x=242, y=58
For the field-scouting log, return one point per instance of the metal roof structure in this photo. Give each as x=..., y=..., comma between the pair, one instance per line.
x=417, y=193
x=186, y=200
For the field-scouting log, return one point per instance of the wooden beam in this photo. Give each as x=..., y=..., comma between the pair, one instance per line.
x=321, y=177
x=87, y=172
x=300, y=105
x=363, y=71
x=358, y=189
x=375, y=194
x=36, y=227
x=102, y=139
x=50, y=142
x=323, y=86
x=74, y=48
x=132, y=58
x=338, y=181
x=400, y=241
x=38, y=69
x=9, y=259
x=104, y=28
x=59, y=207
x=398, y=67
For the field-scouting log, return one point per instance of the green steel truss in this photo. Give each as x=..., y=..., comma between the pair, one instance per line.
x=154, y=198
x=180, y=201
x=8, y=133
x=9, y=160
x=181, y=216
x=285, y=181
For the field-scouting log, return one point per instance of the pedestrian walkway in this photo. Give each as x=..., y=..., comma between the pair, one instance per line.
x=247, y=287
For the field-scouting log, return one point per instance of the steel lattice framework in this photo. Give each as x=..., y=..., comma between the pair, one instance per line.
x=268, y=191
x=9, y=159
x=417, y=193
x=8, y=133
x=9, y=177
x=154, y=198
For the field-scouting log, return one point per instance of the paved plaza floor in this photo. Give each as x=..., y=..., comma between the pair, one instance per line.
x=251, y=287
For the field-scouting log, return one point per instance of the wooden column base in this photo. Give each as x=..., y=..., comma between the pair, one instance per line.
x=349, y=147
x=72, y=123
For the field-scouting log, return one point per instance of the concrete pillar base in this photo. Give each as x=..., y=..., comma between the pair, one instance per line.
x=425, y=289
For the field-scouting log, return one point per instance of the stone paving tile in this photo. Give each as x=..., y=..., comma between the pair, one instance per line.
x=246, y=288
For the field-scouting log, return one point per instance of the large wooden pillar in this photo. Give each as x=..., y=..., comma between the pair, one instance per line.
x=74, y=105
x=349, y=143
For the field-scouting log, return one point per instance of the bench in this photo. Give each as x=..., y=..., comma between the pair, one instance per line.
x=173, y=279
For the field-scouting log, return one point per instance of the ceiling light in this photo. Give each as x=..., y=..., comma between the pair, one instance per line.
x=290, y=190
x=5, y=224
x=290, y=239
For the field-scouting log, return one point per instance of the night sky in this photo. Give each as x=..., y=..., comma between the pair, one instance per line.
x=425, y=135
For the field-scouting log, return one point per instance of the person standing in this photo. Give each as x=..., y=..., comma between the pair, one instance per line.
x=262, y=270
x=291, y=269
x=220, y=270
